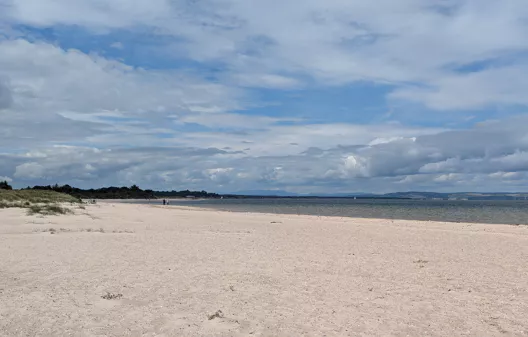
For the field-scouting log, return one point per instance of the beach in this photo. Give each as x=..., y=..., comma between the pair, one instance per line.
x=114, y=269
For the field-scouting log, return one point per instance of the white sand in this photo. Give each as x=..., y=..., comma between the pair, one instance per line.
x=270, y=275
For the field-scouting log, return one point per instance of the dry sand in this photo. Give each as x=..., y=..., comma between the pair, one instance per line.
x=171, y=269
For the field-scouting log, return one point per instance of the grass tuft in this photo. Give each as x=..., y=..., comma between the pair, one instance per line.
x=48, y=209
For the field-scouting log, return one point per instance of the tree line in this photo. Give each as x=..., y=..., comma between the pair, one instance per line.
x=132, y=192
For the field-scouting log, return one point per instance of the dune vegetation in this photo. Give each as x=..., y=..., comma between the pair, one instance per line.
x=37, y=202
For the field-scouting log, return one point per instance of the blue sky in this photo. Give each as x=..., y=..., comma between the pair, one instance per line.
x=319, y=96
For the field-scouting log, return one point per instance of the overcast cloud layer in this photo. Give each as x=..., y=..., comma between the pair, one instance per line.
x=315, y=96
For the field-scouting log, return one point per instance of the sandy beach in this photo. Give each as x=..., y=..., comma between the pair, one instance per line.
x=142, y=270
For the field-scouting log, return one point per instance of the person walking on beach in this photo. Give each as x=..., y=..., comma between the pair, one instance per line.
x=164, y=202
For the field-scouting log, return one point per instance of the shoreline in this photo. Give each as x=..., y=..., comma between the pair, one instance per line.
x=206, y=207
x=350, y=219
x=120, y=269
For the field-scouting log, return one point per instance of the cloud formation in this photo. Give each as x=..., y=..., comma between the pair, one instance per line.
x=335, y=41
x=427, y=160
x=220, y=94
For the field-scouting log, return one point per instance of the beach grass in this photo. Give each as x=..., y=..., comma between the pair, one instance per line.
x=37, y=202
x=48, y=209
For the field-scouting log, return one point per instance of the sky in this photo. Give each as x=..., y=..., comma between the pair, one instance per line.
x=334, y=96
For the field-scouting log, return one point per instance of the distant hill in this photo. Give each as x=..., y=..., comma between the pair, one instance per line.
x=417, y=195
x=282, y=193
x=264, y=193
x=459, y=196
x=395, y=195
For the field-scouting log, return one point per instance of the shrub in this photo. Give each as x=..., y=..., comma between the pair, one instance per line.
x=5, y=186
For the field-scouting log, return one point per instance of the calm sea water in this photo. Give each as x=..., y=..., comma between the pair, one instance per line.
x=498, y=212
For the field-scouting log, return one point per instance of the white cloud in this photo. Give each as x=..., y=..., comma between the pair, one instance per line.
x=28, y=171
x=45, y=77
x=92, y=13
x=230, y=120
x=55, y=95
x=378, y=141
x=292, y=139
x=334, y=41
x=356, y=166
x=266, y=81
x=499, y=85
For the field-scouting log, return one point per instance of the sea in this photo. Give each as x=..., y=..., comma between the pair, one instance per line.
x=473, y=211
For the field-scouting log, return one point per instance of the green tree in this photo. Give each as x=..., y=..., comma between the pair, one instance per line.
x=5, y=186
